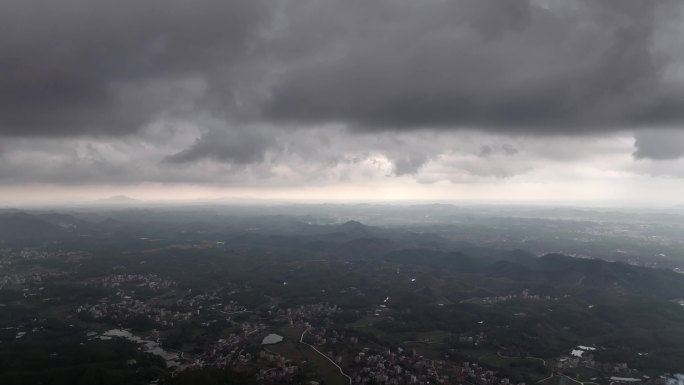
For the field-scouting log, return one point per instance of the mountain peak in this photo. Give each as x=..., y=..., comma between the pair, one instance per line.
x=353, y=224
x=118, y=199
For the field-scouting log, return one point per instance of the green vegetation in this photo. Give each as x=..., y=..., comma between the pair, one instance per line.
x=447, y=299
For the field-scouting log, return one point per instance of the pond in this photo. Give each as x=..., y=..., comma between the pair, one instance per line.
x=149, y=346
x=271, y=339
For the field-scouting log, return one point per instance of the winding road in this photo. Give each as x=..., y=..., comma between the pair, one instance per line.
x=301, y=341
x=534, y=358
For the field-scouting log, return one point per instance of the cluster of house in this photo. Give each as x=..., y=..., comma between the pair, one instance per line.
x=620, y=372
x=277, y=368
x=21, y=279
x=525, y=294
x=18, y=273
x=7, y=256
x=294, y=316
x=393, y=367
x=28, y=253
x=123, y=306
x=479, y=375
x=323, y=336
x=230, y=350
x=129, y=308
x=474, y=339
x=150, y=281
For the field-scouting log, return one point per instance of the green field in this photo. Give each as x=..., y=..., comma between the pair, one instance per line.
x=582, y=373
x=528, y=367
x=293, y=350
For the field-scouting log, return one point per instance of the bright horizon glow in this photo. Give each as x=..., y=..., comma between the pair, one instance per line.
x=664, y=192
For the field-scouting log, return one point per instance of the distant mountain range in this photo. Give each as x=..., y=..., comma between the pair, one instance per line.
x=350, y=240
x=118, y=199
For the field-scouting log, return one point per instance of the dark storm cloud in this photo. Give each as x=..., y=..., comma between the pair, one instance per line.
x=545, y=67
x=75, y=68
x=659, y=145
x=227, y=145
x=108, y=67
x=409, y=164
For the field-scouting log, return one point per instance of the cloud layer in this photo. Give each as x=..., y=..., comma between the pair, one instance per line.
x=250, y=92
x=78, y=67
x=544, y=67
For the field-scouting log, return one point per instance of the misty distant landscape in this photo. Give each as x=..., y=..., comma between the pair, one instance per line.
x=120, y=292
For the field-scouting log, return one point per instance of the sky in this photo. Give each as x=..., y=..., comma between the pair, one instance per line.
x=383, y=100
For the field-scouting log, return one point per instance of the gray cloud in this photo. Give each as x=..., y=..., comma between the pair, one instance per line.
x=73, y=67
x=544, y=67
x=505, y=149
x=325, y=90
x=659, y=145
x=409, y=164
x=230, y=145
x=262, y=156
